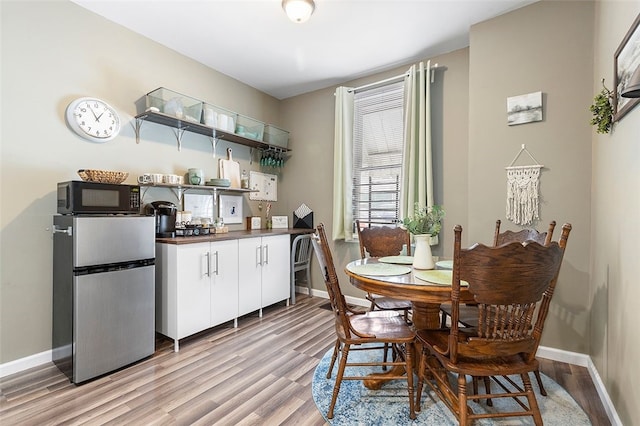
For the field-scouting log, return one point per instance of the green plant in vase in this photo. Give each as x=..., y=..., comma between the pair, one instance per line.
x=425, y=220
x=425, y=223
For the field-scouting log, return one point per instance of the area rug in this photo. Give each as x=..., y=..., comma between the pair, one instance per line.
x=357, y=405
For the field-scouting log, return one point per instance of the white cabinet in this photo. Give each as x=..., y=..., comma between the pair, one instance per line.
x=264, y=272
x=204, y=284
x=196, y=287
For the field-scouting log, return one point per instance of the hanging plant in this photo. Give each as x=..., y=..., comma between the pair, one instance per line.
x=602, y=110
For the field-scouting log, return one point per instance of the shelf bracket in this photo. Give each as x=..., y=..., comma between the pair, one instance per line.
x=179, y=132
x=178, y=192
x=138, y=128
x=214, y=143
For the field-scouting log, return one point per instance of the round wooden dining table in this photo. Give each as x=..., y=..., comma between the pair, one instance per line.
x=425, y=297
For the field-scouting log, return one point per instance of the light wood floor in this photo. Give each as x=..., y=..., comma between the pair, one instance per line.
x=257, y=374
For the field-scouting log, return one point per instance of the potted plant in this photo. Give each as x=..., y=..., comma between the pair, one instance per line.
x=425, y=223
x=602, y=110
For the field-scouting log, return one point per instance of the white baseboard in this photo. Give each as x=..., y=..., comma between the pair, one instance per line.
x=553, y=354
x=604, y=395
x=574, y=358
x=25, y=363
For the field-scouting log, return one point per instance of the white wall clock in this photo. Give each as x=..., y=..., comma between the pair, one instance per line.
x=93, y=119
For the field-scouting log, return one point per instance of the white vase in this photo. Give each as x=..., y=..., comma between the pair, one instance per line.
x=422, y=257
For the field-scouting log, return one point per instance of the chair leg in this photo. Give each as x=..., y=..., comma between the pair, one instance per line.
x=443, y=321
x=336, y=349
x=421, y=369
x=336, y=387
x=487, y=387
x=292, y=279
x=531, y=397
x=385, y=356
x=309, y=280
x=462, y=400
x=543, y=391
x=409, y=368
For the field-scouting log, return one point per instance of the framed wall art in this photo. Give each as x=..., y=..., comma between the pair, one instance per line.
x=230, y=208
x=626, y=60
x=524, y=108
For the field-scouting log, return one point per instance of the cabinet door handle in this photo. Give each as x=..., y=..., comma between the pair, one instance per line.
x=259, y=256
x=217, y=260
x=208, y=256
x=266, y=256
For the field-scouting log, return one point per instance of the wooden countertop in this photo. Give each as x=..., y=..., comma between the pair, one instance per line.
x=233, y=235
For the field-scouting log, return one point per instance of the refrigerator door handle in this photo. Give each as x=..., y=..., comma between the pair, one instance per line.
x=68, y=231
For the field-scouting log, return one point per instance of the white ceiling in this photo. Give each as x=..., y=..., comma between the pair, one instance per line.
x=254, y=42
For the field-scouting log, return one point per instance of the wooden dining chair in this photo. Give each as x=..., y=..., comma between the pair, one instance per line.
x=379, y=241
x=468, y=315
x=513, y=285
x=363, y=331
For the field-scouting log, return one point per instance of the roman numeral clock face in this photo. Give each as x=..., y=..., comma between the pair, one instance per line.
x=93, y=119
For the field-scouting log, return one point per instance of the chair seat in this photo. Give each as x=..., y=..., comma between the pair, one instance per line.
x=385, y=328
x=388, y=303
x=467, y=315
x=490, y=366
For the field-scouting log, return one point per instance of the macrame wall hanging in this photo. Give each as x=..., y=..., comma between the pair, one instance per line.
x=523, y=183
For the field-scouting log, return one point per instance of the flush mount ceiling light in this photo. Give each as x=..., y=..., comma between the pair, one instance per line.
x=299, y=11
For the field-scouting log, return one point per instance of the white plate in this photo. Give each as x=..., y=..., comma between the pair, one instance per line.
x=437, y=277
x=379, y=269
x=400, y=260
x=445, y=264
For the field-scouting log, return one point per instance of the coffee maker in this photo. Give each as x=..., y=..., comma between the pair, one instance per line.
x=165, y=213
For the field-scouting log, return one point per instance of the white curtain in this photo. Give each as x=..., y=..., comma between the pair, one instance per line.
x=417, y=168
x=343, y=165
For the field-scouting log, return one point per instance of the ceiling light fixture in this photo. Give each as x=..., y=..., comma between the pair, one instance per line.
x=299, y=11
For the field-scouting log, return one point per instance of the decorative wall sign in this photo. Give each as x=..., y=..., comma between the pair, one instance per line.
x=626, y=60
x=230, y=208
x=524, y=108
x=200, y=205
x=264, y=187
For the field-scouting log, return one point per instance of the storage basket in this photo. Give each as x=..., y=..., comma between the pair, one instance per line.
x=102, y=176
x=275, y=136
x=249, y=128
x=175, y=104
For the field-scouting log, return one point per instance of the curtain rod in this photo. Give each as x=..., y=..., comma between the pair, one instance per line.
x=387, y=80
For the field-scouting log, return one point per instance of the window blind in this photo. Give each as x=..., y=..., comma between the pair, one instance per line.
x=377, y=153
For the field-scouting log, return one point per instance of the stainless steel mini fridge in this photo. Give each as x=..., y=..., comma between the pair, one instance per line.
x=103, y=293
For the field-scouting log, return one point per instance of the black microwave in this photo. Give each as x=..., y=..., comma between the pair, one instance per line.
x=81, y=197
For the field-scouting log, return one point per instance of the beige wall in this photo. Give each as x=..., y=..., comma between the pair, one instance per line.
x=614, y=292
x=53, y=52
x=308, y=177
x=559, y=48
x=548, y=48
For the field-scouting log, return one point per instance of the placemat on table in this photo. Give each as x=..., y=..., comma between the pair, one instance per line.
x=379, y=269
x=445, y=264
x=400, y=260
x=437, y=277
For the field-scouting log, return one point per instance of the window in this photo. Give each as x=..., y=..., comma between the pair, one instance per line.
x=377, y=154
